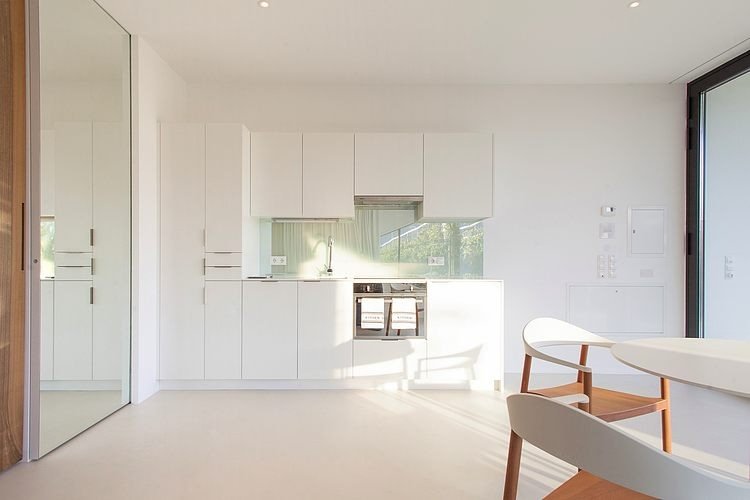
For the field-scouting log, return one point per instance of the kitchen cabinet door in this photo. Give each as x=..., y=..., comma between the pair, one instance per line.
x=227, y=163
x=47, y=299
x=325, y=317
x=223, y=330
x=73, y=203
x=458, y=177
x=72, y=327
x=181, y=337
x=276, y=174
x=111, y=251
x=388, y=164
x=328, y=175
x=269, y=330
x=404, y=359
x=465, y=330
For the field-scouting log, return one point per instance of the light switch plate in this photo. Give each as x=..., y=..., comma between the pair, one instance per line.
x=278, y=260
x=436, y=261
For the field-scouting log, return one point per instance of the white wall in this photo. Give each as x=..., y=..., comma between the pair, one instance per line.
x=726, y=208
x=159, y=94
x=560, y=153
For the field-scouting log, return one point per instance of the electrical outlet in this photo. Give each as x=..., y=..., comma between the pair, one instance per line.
x=278, y=260
x=436, y=261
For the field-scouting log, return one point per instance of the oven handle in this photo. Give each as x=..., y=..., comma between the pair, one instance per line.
x=387, y=301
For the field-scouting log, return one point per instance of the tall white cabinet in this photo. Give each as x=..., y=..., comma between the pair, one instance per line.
x=183, y=215
x=325, y=318
x=73, y=192
x=205, y=176
x=73, y=331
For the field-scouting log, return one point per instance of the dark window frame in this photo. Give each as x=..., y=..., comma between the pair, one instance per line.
x=696, y=91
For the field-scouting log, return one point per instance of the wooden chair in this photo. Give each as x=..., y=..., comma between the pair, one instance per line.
x=612, y=463
x=605, y=404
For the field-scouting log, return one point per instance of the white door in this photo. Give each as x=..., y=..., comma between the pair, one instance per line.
x=47, y=328
x=328, y=175
x=458, y=177
x=388, y=164
x=223, y=330
x=269, y=330
x=182, y=223
x=403, y=359
x=276, y=174
x=325, y=317
x=111, y=252
x=465, y=330
x=72, y=326
x=224, y=170
x=73, y=204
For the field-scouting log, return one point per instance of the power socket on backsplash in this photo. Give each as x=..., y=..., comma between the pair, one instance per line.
x=278, y=260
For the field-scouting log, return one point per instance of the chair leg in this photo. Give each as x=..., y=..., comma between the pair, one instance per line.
x=666, y=418
x=513, y=467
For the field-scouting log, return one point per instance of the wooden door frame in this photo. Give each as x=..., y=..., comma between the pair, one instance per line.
x=13, y=237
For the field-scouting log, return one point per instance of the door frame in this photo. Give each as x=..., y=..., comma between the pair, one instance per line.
x=695, y=187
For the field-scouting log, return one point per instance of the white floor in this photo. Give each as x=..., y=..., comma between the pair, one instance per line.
x=338, y=444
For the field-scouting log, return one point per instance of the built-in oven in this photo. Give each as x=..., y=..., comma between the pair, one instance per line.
x=390, y=310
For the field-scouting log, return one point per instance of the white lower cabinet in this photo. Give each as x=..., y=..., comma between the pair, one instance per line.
x=465, y=330
x=47, y=294
x=390, y=359
x=325, y=317
x=72, y=330
x=269, y=330
x=223, y=350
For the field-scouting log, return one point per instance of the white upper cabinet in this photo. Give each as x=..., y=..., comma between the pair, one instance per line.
x=73, y=171
x=325, y=318
x=276, y=175
x=388, y=165
x=183, y=212
x=227, y=164
x=328, y=175
x=269, y=330
x=458, y=177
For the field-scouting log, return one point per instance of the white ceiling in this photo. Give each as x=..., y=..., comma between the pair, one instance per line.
x=437, y=41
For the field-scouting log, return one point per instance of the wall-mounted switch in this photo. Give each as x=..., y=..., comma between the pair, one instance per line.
x=729, y=267
x=606, y=231
x=608, y=211
x=436, y=261
x=278, y=260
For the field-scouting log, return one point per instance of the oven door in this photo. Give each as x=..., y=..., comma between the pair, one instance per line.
x=386, y=332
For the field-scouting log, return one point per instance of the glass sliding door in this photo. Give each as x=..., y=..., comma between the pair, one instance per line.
x=719, y=204
x=83, y=210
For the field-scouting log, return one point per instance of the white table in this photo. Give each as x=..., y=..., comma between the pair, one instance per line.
x=722, y=365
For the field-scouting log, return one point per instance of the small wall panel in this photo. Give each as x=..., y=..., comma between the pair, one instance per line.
x=617, y=309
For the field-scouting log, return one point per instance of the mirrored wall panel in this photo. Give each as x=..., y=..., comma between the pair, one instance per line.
x=84, y=225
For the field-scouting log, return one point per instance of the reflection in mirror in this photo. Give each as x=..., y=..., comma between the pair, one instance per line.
x=84, y=224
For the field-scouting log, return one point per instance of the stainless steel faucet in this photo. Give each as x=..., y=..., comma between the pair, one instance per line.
x=329, y=269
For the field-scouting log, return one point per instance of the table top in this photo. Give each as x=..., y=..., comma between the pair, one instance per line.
x=718, y=364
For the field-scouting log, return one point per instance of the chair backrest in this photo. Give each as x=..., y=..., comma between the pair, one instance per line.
x=601, y=449
x=542, y=332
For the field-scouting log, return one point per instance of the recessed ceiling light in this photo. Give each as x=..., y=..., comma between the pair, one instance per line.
x=264, y=3
x=632, y=5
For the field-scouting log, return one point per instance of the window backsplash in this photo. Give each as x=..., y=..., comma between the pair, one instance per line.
x=378, y=243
